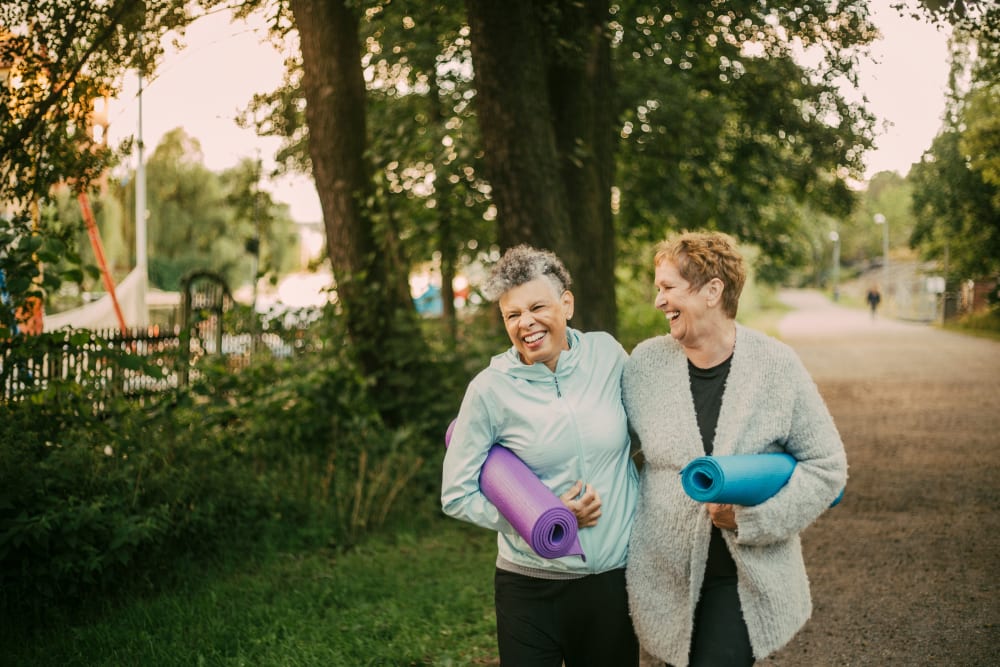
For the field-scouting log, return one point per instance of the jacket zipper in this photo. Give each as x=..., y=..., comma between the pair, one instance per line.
x=558, y=393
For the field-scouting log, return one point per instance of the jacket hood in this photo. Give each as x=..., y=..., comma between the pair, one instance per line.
x=510, y=363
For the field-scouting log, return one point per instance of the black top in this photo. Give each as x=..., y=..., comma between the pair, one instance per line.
x=707, y=385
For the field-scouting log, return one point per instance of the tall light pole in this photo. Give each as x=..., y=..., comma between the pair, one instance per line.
x=835, y=237
x=881, y=220
x=141, y=214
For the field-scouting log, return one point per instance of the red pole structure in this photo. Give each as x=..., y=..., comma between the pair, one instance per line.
x=95, y=241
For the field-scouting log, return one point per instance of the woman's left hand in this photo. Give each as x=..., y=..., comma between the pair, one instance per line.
x=586, y=507
x=723, y=516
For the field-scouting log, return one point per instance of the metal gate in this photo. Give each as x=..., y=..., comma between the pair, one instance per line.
x=205, y=298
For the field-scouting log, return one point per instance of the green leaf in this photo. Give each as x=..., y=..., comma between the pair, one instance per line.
x=55, y=246
x=80, y=338
x=131, y=362
x=48, y=257
x=51, y=281
x=73, y=275
x=30, y=244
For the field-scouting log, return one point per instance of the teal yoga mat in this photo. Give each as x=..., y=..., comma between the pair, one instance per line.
x=740, y=479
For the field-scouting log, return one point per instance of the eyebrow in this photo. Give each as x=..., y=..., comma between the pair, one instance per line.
x=529, y=307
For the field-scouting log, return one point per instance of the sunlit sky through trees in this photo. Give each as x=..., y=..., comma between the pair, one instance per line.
x=204, y=86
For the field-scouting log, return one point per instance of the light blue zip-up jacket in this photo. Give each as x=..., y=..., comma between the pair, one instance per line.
x=566, y=426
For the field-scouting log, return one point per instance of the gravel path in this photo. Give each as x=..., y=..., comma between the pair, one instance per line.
x=903, y=572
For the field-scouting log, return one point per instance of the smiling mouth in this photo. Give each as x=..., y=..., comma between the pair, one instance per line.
x=534, y=338
x=672, y=315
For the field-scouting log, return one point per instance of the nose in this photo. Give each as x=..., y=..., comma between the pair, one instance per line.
x=659, y=300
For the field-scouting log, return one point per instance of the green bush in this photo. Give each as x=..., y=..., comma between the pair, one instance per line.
x=984, y=323
x=95, y=500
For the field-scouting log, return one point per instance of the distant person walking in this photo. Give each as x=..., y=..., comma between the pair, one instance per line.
x=874, y=298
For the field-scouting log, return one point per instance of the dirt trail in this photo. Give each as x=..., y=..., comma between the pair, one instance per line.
x=904, y=571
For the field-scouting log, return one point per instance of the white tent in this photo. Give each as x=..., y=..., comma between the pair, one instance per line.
x=100, y=314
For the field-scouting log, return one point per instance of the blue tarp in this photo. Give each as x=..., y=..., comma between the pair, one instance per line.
x=4, y=297
x=429, y=303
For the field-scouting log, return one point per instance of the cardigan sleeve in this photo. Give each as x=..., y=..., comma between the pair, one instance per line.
x=819, y=475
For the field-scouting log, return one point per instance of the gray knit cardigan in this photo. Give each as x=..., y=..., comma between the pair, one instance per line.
x=770, y=404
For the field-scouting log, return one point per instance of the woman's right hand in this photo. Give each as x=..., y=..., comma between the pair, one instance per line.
x=586, y=507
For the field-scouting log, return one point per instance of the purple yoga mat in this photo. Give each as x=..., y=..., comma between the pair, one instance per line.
x=536, y=513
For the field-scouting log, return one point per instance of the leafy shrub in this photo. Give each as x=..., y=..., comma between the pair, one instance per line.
x=93, y=500
x=984, y=322
x=61, y=524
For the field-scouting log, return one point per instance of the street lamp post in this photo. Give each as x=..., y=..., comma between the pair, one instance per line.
x=881, y=220
x=835, y=237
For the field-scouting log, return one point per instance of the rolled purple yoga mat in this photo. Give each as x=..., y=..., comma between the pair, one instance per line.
x=536, y=513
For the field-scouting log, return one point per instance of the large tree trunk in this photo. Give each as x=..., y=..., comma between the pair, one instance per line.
x=334, y=89
x=546, y=120
x=515, y=121
x=580, y=90
x=372, y=280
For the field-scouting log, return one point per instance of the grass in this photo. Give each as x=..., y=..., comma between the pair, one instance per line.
x=983, y=324
x=404, y=599
x=416, y=595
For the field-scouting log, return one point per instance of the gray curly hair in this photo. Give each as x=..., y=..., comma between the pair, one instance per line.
x=522, y=264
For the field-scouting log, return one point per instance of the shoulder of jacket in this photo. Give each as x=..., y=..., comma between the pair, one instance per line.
x=656, y=347
x=601, y=339
x=767, y=352
x=649, y=357
x=487, y=378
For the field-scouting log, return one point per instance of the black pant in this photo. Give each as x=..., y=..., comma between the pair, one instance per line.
x=584, y=622
x=720, y=634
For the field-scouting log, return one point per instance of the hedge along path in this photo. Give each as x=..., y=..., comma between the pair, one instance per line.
x=903, y=570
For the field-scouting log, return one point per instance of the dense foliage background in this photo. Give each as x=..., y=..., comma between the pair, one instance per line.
x=436, y=132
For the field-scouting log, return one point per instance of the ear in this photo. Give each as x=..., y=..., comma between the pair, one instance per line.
x=714, y=289
x=568, y=303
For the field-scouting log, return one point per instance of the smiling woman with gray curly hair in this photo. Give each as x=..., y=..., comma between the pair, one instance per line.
x=554, y=400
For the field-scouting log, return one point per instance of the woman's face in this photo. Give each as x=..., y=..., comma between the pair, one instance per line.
x=535, y=315
x=684, y=307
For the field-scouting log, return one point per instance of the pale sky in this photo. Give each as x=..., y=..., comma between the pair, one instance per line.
x=204, y=86
x=906, y=87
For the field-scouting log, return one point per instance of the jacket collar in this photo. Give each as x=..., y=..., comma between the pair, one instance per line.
x=510, y=363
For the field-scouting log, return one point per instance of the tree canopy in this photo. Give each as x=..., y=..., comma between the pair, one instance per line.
x=56, y=58
x=445, y=131
x=956, y=184
x=698, y=116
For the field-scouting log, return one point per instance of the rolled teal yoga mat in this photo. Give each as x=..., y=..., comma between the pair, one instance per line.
x=740, y=479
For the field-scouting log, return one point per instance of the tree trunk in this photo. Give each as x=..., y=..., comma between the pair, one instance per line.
x=515, y=121
x=580, y=90
x=334, y=89
x=545, y=116
x=447, y=244
x=372, y=280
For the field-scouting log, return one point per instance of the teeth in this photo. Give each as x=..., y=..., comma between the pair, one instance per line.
x=672, y=315
x=534, y=337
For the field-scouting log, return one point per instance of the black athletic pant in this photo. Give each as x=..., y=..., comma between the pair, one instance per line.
x=720, y=634
x=584, y=622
